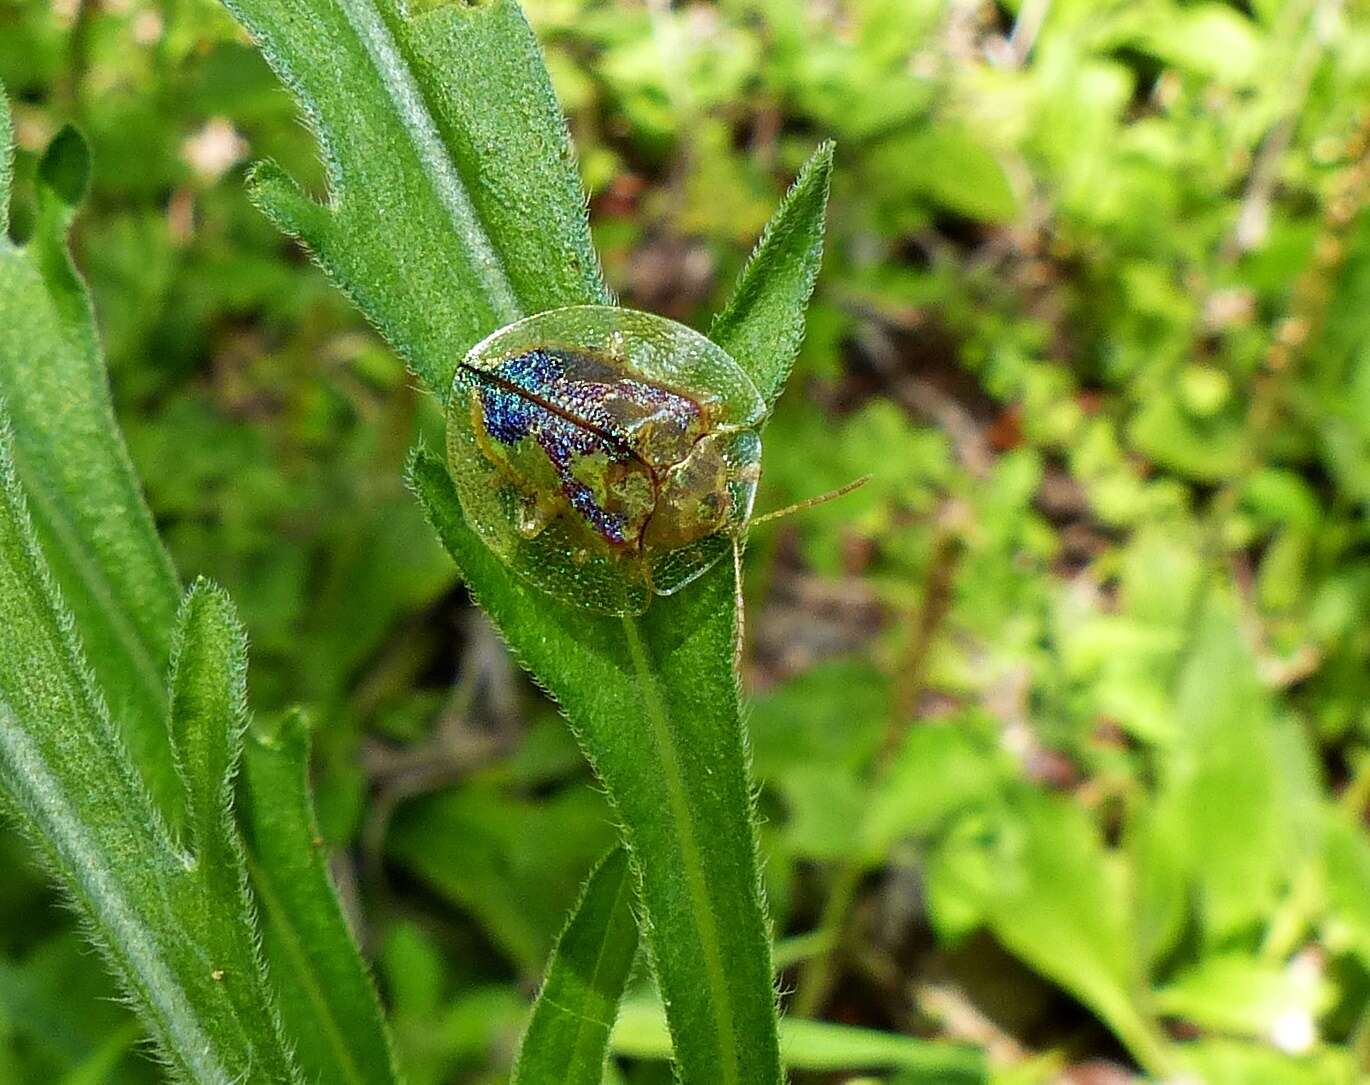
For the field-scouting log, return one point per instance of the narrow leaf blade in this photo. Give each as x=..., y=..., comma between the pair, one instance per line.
x=209, y=716
x=455, y=206
x=95, y=529
x=819, y=1046
x=327, y=997
x=762, y=325
x=208, y=713
x=567, y=1040
x=668, y=747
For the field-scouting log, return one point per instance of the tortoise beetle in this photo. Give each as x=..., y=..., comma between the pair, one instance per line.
x=604, y=454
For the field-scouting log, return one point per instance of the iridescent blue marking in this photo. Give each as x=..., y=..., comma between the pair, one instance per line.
x=511, y=417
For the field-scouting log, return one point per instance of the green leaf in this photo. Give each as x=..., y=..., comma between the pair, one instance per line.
x=655, y=708
x=948, y=166
x=762, y=325
x=1246, y=996
x=454, y=205
x=65, y=169
x=1228, y=1062
x=939, y=770
x=567, y=1041
x=40, y=990
x=208, y=714
x=1223, y=774
x=453, y=209
x=209, y=718
x=70, y=782
x=1347, y=877
x=328, y=1000
x=819, y=1046
x=96, y=532
x=1053, y=896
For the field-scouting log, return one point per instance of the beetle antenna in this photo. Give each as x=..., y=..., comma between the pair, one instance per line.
x=811, y=502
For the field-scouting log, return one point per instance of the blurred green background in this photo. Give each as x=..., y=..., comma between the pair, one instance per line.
x=1061, y=725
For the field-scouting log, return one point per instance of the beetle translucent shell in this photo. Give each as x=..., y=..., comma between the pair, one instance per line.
x=604, y=454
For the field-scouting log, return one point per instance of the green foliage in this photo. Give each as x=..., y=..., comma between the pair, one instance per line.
x=328, y=1002
x=568, y=1036
x=453, y=207
x=174, y=918
x=1093, y=311
x=178, y=937
x=94, y=528
x=653, y=704
x=818, y=1046
x=762, y=325
x=487, y=244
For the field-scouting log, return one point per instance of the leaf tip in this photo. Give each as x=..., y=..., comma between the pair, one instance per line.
x=205, y=603
x=65, y=167
x=288, y=733
x=279, y=197
x=208, y=692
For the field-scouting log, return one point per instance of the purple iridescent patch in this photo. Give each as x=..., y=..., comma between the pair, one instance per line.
x=597, y=427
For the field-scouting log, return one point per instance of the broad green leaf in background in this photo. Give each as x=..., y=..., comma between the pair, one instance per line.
x=1052, y=895
x=1243, y=995
x=514, y=865
x=95, y=530
x=454, y=205
x=937, y=771
x=328, y=1001
x=1223, y=772
x=949, y=167
x=66, y=775
x=567, y=1041
x=1347, y=877
x=37, y=994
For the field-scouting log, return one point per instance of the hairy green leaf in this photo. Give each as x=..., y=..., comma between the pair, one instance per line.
x=327, y=997
x=67, y=777
x=567, y=1040
x=208, y=713
x=209, y=717
x=454, y=205
x=96, y=532
x=762, y=325
x=654, y=706
x=819, y=1046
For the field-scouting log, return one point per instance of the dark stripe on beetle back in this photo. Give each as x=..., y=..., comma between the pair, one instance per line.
x=592, y=392
x=512, y=414
x=538, y=370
